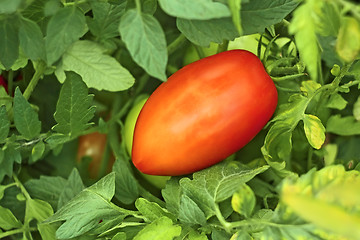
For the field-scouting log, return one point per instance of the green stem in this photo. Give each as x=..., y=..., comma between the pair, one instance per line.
x=199, y=51
x=176, y=44
x=17, y=231
x=289, y=77
x=21, y=186
x=74, y=3
x=10, y=81
x=138, y=6
x=34, y=80
x=227, y=226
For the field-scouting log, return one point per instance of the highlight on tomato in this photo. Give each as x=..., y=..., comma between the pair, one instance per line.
x=157, y=181
x=92, y=147
x=204, y=113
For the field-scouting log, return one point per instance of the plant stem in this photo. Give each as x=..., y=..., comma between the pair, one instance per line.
x=16, y=231
x=21, y=186
x=10, y=81
x=34, y=80
x=227, y=226
x=74, y=3
x=138, y=6
x=174, y=45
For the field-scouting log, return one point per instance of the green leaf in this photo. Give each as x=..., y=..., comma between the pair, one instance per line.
x=171, y=193
x=9, y=40
x=73, y=186
x=314, y=131
x=160, y=229
x=303, y=26
x=215, y=184
x=73, y=109
x=9, y=6
x=291, y=113
x=11, y=156
x=329, y=19
x=127, y=190
x=25, y=118
x=336, y=101
x=37, y=151
x=203, y=32
x=38, y=210
x=106, y=19
x=334, y=194
x=147, y=6
x=47, y=231
x=98, y=70
x=309, y=87
x=64, y=28
x=83, y=213
x=278, y=144
x=243, y=201
x=8, y=220
x=348, y=41
x=256, y=15
x=4, y=124
x=36, y=12
x=235, y=6
x=241, y=235
x=146, y=42
x=151, y=210
x=344, y=126
x=200, y=9
x=31, y=40
x=190, y=213
x=356, y=110
x=330, y=154
x=46, y=188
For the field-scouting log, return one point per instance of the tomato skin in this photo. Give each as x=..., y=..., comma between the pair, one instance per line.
x=205, y=112
x=157, y=181
x=93, y=145
x=3, y=83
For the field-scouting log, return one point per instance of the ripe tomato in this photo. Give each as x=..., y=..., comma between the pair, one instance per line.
x=205, y=112
x=3, y=83
x=157, y=181
x=93, y=145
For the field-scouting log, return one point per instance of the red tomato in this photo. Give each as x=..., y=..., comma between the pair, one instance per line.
x=205, y=112
x=93, y=145
x=3, y=83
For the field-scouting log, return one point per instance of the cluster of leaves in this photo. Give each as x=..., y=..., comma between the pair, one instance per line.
x=54, y=52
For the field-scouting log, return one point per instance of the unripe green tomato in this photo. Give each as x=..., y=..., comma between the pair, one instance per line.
x=191, y=54
x=130, y=121
x=247, y=42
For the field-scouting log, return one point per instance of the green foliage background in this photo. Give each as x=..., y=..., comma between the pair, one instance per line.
x=75, y=67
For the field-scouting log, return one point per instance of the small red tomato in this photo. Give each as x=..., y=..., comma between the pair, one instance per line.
x=3, y=83
x=205, y=112
x=93, y=145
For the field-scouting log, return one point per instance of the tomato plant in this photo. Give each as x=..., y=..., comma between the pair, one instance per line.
x=92, y=147
x=157, y=181
x=213, y=108
x=77, y=69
